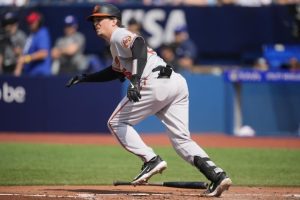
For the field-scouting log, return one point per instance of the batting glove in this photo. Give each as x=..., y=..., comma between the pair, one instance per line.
x=133, y=91
x=76, y=79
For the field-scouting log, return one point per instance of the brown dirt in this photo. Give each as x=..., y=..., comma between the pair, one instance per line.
x=146, y=192
x=139, y=192
x=205, y=140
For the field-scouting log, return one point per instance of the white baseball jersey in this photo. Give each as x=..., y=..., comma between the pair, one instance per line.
x=167, y=98
x=120, y=46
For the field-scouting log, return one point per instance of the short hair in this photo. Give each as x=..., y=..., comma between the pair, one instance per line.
x=119, y=23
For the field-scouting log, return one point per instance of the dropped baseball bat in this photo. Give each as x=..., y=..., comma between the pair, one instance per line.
x=176, y=184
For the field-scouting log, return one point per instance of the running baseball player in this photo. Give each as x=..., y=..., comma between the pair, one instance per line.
x=155, y=89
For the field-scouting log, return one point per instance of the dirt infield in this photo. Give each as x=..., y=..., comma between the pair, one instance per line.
x=139, y=192
x=146, y=192
x=205, y=140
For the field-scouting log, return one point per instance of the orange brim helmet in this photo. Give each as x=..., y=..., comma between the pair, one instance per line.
x=105, y=10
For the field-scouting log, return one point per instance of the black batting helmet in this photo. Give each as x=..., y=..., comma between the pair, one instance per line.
x=105, y=10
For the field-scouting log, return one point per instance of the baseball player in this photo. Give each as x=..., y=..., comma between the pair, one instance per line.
x=155, y=89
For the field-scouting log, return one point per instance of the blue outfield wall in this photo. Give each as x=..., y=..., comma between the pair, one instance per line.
x=49, y=106
x=272, y=108
x=44, y=104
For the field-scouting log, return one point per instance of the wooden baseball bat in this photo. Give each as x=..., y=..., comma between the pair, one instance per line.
x=176, y=184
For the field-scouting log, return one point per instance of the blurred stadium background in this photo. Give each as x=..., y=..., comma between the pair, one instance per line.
x=243, y=81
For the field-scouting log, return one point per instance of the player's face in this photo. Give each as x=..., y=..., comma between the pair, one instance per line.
x=103, y=26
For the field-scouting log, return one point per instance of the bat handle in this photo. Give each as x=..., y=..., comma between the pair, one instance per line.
x=122, y=183
x=191, y=185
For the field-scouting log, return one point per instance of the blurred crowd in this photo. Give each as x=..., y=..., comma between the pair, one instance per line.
x=33, y=53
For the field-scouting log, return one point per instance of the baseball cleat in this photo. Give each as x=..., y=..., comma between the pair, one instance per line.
x=154, y=166
x=217, y=188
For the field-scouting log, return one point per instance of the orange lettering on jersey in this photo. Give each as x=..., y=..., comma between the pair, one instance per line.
x=117, y=61
x=126, y=41
x=117, y=66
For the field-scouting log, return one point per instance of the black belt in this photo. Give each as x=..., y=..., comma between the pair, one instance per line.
x=164, y=71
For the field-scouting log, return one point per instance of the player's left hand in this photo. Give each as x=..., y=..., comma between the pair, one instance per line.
x=76, y=79
x=133, y=91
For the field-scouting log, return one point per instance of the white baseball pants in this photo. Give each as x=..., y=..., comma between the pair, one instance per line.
x=168, y=99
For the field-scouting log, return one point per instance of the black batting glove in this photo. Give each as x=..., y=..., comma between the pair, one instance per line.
x=76, y=79
x=133, y=91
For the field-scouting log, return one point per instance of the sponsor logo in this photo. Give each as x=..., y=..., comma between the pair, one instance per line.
x=9, y=94
x=157, y=23
x=261, y=76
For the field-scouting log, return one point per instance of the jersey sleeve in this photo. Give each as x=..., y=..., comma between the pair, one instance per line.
x=121, y=48
x=124, y=40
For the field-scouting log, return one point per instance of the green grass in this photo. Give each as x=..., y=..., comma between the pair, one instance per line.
x=45, y=164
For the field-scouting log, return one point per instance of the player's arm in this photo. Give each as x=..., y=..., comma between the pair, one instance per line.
x=107, y=74
x=139, y=55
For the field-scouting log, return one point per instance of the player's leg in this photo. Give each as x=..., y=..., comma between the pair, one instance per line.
x=175, y=117
x=121, y=123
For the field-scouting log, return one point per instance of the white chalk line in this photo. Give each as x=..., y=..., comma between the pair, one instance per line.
x=92, y=196
x=40, y=195
x=252, y=194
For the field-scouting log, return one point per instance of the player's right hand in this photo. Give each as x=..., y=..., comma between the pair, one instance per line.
x=133, y=91
x=74, y=80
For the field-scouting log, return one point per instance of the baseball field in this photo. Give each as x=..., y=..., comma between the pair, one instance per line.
x=83, y=166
